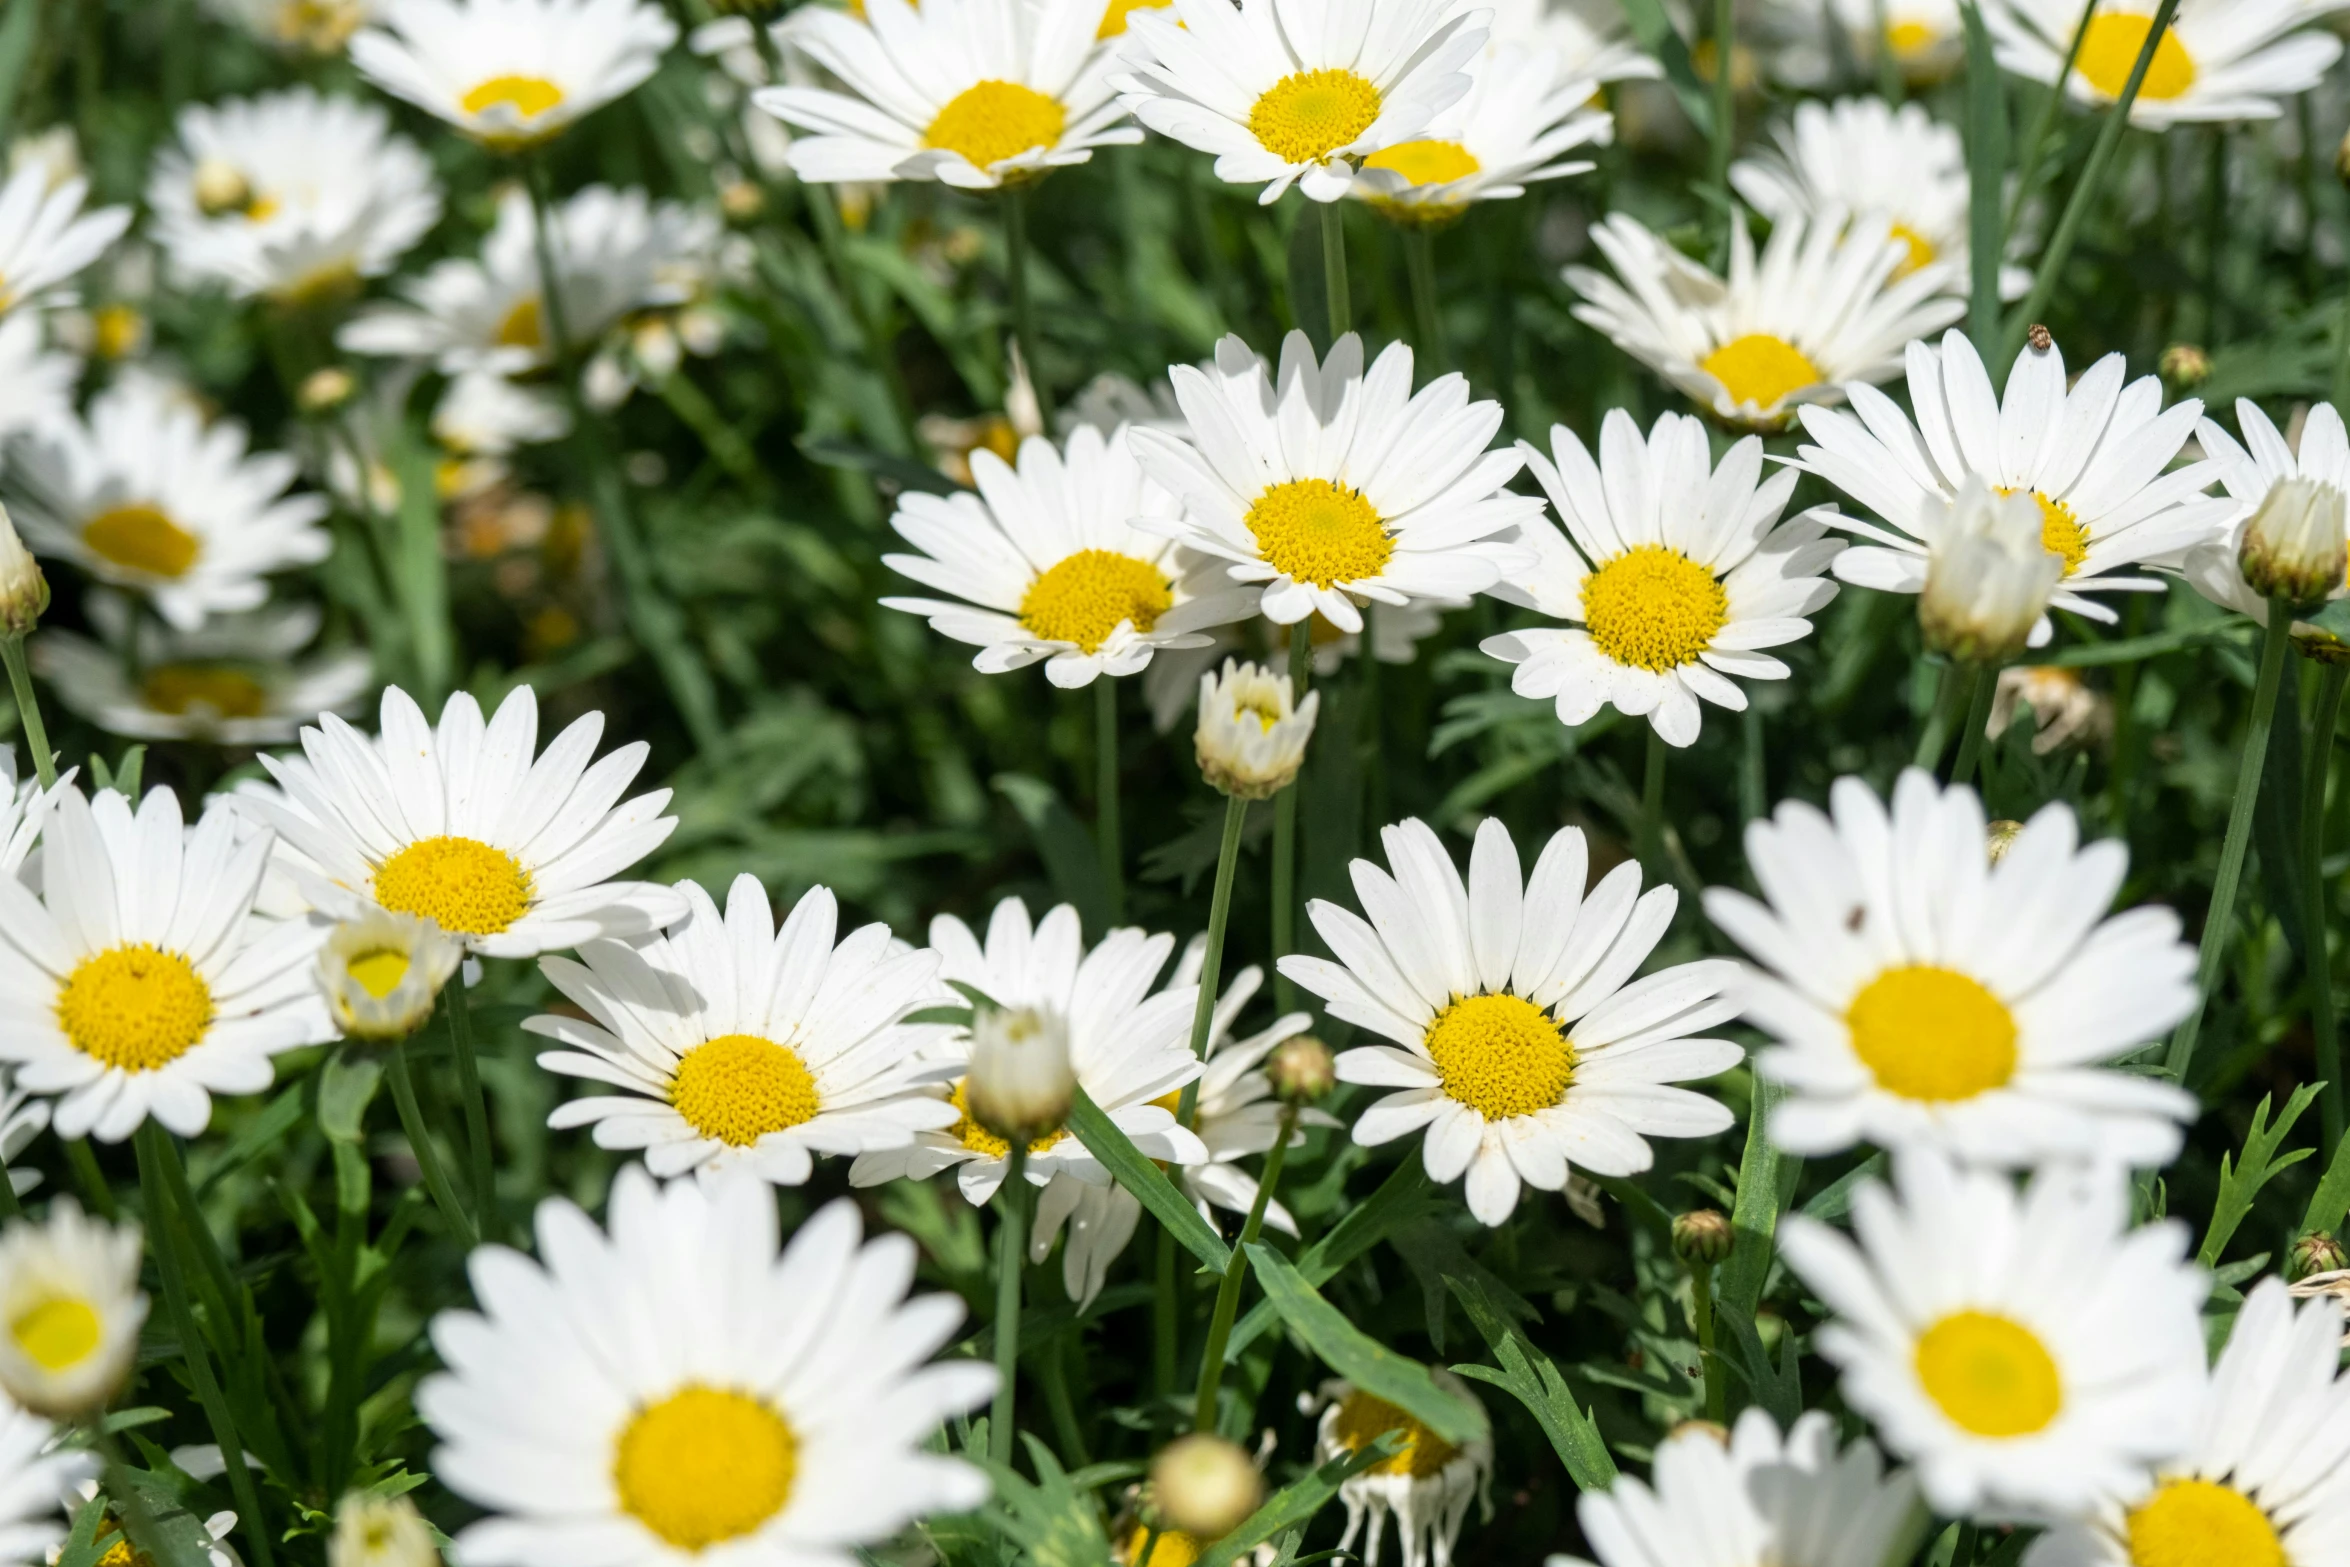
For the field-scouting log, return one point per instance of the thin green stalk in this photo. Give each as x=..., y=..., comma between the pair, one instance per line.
x=1023, y=310
x=1105, y=797
x=2317, y=770
x=2045, y=119
x=1011, y=1256
x=428, y=1157
x=1754, y=798
x=2218, y=923
x=1889, y=84
x=1301, y=670
x=1936, y=734
x=1982, y=682
x=2342, y=355
x=1150, y=1546
x=1211, y=1365
x=1652, y=810
x=1211, y=969
x=880, y=352
x=2215, y=248
x=1334, y=273
x=1725, y=127
x=1166, y=1317
x=477, y=1116
x=1058, y=1404
x=28, y=709
x=1419, y=257
x=1701, y=1313
x=91, y=1179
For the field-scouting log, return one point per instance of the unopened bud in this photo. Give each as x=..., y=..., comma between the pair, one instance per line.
x=2316, y=1252
x=2294, y=548
x=325, y=390
x=24, y=592
x=380, y=1531
x=1989, y=576
x=1252, y=731
x=1702, y=1237
x=221, y=187
x=2000, y=837
x=382, y=972
x=1301, y=1070
x=2184, y=365
x=1711, y=1430
x=1019, y=1081
x=1205, y=1486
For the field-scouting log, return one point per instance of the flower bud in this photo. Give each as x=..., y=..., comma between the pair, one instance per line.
x=1205, y=1486
x=1988, y=576
x=1301, y=1070
x=2185, y=366
x=380, y=1531
x=323, y=391
x=2316, y=1252
x=1712, y=1430
x=221, y=187
x=2294, y=548
x=382, y=971
x=1702, y=1237
x=741, y=200
x=1252, y=731
x=2000, y=837
x=1019, y=1080
x=24, y=592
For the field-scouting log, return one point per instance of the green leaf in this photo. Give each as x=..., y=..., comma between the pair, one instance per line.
x=1530, y=1376
x=1400, y=1199
x=1778, y=1388
x=81, y=1547
x=345, y=1087
x=1766, y=1181
x=1986, y=156
x=19, y=31
x=960, y=1017
x=1054, y=1522
x=1070, y=859
x=2331, y=1200
x=123, y=777
x=1360, y=1358
x=834, y=452
x=2132, y=650
x=1309, y=288
x=2240, y=1180
x=1660, y=38
x=1298, y=1501
x=1146, y=1181
x=1834, y=1201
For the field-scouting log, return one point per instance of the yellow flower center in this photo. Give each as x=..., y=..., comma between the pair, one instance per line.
x=1426, y=162
x=115, y=330
x=528, y=96
x=1761, y=369
x=705, y=1465
x=379, y=972
x=1910, y=39
x=213, y=688
x=739, y=1087
x=1173, y=1548
x=1921, y=249
x=1363, y=1420
x=2110, y=52
x=521, y=327
x=1989, y=1374
x=461, y=884
x=990, y=121
x=1313, y=531
x=979, y=1139
x=2196, y=1523
x=1501, y=1055
x=262, y=208
x=56, y=1333
x=1114, y=22
x=1653, y=608
x=2061, y=532
x=320, y=25
x=135, y=1007
x=1308, y=115
x=1932, y=1034
x=141, y=538
x=1085, y=597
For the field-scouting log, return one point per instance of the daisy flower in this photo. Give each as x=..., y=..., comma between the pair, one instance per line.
x=1522, y=114
x=22, y=1118
x=1332, y=486
x=36, y=1475
x=140, y=982
x=1678, y=574
x=462, y=827
x=511, y=73
x=146, y=495
x=69, y=1286
x=1928, y=36
x=972, y=93
x=238, y=680
x=2219, y=60
x=382, y=972
x=36, y=386
x=45, y=236
x=24, y=807
x=738, y=1046
x=1296, y=92
x=318, y=26
x=293, y=195
x=2096, y=457
x=1517, y=1042
x=1828, y=303
x=1426, y=1485
x=1130, y=1049
x=782, y=1416
x=1589, y=37
x=1048, y=562
x=2027, y=1351
x=2248, y=476
x=1923, y=996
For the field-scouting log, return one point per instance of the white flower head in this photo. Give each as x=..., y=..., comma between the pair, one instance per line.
x=237, y=680
x=1252, y=733
x=46, y=239
x=1018, y=1083
x=2293, y=547
x=512, y=73
x=2250, y=473
x=380, y=1531
x=1589, y=37
x=36, y=385
x=1427, y=1485
x=381, y=973
x=1927, y=37
x=1525, y=110
x=1989, y=576
x=314, y=26
x=2219, y=60
x=69, y=1294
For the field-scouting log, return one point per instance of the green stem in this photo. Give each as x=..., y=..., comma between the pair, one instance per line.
x=880, y=352
x=1011, y=1257
x=1754, y=797
x=1889, y=84
x=477, y=1117
x=1701, y=1312
x=1060, y=1406
x=1211, y=969
x=1166, y=1317
x=1105, y=800
x=1419, y=255
x=428, y=1157
x=28, y=709
x=2318, y=769
x=1211, y=1365
x=2342, y=355
x=2221, y=919
x=91, y=1179
x=2044, y=119
x=1334, y=275
x=1725, y=127
x=1023, y=310
x=1982, y=682
x=1936, y=734
x=1150, y=1546
x=1301, y=670
x=1651, y=846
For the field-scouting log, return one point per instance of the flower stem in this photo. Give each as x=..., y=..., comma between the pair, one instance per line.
x=1166, y=1317
x=1725, y=127
x=1936, y=734
x=1011, y=1256
x=28, y=709
x=1301, y=670
x=1211, y=969
x=2044, y=118
x=428, y=1157
x=1981, y=683
x=1105, y=804
x=1651, y=846
x=1419, y=254
x=2221, y=918
x=1211, y=1366
x=2323, y=1025
x=1889, y=84
x=1754, y=797
x=477, y=1118
x=1023, y=309
x=1334, y=275
x=1701, y=1313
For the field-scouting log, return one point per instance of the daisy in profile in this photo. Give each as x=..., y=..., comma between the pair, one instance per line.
x=1923, y=996
x=2219, y=60
x=1296, y=92
x=1927, y=37
x=313, y=26
x=2248, y=472
x=738, y=1046
x=512, y=73
x=1827, y=304
x=1331, y=486
x=1589, y=37
x=1128, y=1048
x=1427, y=1485
x=1677, y=574
x=147, y=496
x=238, y=680
x=46, y=238
x=2026, y=1351
x=1519, y=1041
x=1047, y=563
x=293, y=195
x=783, y=1416
x=461, y=826
x=1523, y=113
x=141, y=982
x=2096, y=456
x=972, y=93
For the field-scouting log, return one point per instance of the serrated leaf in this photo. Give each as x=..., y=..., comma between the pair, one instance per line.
x=2240, y=1180
x=1146, y=1181
x=1533, y=1379
x=1360, y=1358
x=1777, y=1387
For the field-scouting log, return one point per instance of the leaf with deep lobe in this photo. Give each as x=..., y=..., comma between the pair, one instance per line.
x=1298, y=1501
x=1530, y=1376
x=1360, y=1358
x=1132, y=1169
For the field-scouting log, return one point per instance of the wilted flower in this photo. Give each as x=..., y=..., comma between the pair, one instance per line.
x=1252, y=730
x=2294, y=548
x=69, y=1294
x=1019, y=1081
x=2064, y=707
x=1205, y=1486
x=380, y=1531
x=1988, y=576
x=381, y=972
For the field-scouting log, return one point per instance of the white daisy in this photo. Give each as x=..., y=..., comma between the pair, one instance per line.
x=294, y=195
x=461, y=826
x=2219, y=60
x=22, y=1118
x=146, y=495
x=739, y=1046
x=1828, y=303
x=36, y=386
x=677, y=1388
x=973, y=93
x=2096, y=456
x=1426, y=1485
x=1295, y=91
x=69, y=1288
x=1589, y=37
x=46, y=238
x=1678, y=574
x=2028, y=1352
x=1517, y=1041
x=24, y=807
x=1332, y=486
x=319, y=26
x=1050, y=562
x=1928, y=36
x=1395, y=633
x=235, y=681
x=1522, y=114
x=2248, y=476
x=1129, y=1048
x=1923, y=996
x=512, y=73
x=382, y=972
x=482, y=414
x=36, y=1474
x=140, y=982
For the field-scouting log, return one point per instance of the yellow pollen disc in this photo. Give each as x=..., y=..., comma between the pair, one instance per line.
x=705, y=1465
x=521, y=327
x=1363, y=1420
x=261, y=209
x=135, y=1007
x=2196, y=1523
x=528, y=96
x=1085, y=597
x=379, y=973
x=1653, y=608
x=178, y=688
x=1426, y=162
x=1932, y=1034
x=115, y=329
x=1308, y=115
x=1173, y=1548
x=1910, y=39
x=2110, y=52
x=1989, y=1374
x=990, y=121
x=1501, y=1056
x=120, y=1554
x=461, y=884
x=1313, y=531
x=2061, y=532
x=141, y=538
x=1114, y=23
x=979, y=1139
x=1921, y=249
x=56, y=1333
x=1761, y=369
x=739, y=1087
